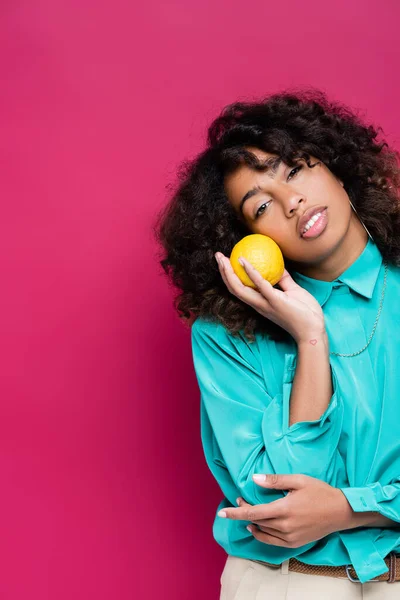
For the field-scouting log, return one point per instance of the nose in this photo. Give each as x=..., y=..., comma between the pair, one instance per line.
x=291, y=202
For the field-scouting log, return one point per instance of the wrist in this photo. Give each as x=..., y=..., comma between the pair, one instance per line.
x=347, y=518
x=315, y=340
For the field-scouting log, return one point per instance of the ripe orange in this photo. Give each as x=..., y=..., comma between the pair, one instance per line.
x=263, y=253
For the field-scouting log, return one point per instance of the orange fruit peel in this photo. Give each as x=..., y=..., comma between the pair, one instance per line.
x=263, y=253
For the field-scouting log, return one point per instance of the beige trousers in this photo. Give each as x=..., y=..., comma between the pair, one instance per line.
x=244, y=579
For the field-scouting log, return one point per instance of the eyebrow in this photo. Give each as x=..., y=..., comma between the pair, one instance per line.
x=271, y=167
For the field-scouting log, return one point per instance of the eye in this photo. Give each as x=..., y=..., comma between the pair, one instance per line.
x=258, y=211
x=295, y=170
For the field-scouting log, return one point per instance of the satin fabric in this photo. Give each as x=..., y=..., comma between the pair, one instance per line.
x=355, y=445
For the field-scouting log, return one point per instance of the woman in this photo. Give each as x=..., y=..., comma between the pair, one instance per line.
x=299, y=382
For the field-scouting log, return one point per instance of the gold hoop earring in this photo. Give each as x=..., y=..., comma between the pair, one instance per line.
x=361, y=221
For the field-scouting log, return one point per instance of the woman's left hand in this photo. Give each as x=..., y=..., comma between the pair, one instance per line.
x=311, y=510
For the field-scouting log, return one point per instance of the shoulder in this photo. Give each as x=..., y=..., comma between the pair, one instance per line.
x=208, y=332
x=216, y=331
x=203, y=326
x=213, y=337
x=394, y=270
x=393, y=281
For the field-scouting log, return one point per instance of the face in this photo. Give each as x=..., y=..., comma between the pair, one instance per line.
x=276, y=201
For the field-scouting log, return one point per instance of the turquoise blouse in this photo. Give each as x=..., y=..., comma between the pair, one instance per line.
x=355, y=445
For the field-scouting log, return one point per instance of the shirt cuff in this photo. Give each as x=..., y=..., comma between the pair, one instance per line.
x=375, y=497
x=361, y=499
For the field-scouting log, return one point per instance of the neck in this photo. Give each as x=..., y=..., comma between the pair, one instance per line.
x=340, y=259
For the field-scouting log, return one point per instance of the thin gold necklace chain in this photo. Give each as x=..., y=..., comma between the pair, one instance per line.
x=376, y=320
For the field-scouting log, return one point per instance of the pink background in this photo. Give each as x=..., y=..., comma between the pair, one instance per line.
x=104, y=489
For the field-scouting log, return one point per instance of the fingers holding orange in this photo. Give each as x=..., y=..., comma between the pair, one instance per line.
x=227, y=273
x=234, y=283
x=253, y=268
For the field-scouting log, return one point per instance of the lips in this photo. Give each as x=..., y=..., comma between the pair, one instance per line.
x=305, y=217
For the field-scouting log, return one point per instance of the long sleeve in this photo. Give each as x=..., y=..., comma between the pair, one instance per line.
x=375, y=497
x=361, y=543
x=308, y=447
x=249, y=425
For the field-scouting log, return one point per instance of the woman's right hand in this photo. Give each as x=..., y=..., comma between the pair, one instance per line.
x=294, y=309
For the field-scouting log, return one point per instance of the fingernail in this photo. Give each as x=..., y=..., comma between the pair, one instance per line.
x=249, y=528
x=241, y=261
x=238, y=500
x=259, y=477
x=221, y=513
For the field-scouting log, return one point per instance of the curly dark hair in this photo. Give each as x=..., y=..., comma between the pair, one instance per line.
x=199, y=220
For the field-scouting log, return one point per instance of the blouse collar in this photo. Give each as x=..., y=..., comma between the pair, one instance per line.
x=360, y=276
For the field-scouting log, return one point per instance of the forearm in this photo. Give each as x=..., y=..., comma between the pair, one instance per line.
x=312, y=383
x=378, y=520
x=371, y=519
